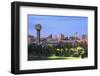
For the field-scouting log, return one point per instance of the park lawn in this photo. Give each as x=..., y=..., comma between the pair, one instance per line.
x=62, y=57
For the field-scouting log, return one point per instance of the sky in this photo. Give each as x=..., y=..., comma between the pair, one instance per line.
x=56, y=25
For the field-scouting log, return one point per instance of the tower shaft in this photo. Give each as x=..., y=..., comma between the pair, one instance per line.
x=38, y=37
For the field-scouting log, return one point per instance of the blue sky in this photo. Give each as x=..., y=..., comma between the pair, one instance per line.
x=56, y=25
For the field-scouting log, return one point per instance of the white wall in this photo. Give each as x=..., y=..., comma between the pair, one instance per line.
x=5, y=41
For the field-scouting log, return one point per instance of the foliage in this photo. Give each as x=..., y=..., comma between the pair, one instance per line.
x=57, y=50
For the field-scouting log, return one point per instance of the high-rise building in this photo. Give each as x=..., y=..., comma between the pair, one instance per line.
x=84, y=36
x=30, y=39
x=62, y=37
x=50, y=36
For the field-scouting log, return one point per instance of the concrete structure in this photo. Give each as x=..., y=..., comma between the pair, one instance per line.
x=38, y=29
x=31, y=39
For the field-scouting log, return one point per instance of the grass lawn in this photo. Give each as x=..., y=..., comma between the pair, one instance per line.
x=32, y=57
x=61, y=57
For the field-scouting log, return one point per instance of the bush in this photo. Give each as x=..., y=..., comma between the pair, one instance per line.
x=58, y=50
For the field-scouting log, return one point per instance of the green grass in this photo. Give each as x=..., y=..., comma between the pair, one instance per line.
x=61, y=57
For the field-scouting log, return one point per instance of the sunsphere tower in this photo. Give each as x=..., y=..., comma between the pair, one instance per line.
x=38, y=29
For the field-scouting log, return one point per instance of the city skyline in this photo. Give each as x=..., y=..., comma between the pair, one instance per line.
x=55, y=25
